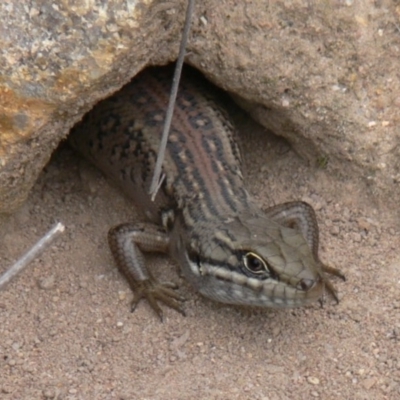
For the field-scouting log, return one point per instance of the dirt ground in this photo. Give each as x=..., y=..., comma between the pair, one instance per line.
x=67, y=333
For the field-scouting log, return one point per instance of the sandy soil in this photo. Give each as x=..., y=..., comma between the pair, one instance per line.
x=67, y=333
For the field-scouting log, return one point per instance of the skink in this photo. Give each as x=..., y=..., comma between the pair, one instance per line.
x=227, y=247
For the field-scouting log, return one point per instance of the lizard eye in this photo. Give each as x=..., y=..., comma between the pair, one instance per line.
x=254, y=263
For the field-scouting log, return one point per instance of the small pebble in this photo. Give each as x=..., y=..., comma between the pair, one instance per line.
x=368, y=383
x=122, y=295
x=6, y=389
x=46, y=283
x=49, y=393
x=313, y=380
x=335, y=230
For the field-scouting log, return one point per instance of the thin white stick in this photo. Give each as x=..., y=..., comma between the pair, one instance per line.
x=31, y=254
x=155, y=183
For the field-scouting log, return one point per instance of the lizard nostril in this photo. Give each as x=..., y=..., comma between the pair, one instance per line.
x=305, y=284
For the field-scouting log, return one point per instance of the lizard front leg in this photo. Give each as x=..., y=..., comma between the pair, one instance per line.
x=127, y=242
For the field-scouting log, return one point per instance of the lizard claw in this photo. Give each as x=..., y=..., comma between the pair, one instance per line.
x=155, y=292
x=328, y=285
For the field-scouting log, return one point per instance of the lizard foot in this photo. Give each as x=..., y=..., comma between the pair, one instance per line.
x=155, y=292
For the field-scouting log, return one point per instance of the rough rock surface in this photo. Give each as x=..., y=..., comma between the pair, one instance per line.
x=56, y=61
x=324, y=75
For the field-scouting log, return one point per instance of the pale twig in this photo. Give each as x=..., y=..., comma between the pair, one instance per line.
x=31, y=254
x=155, y=183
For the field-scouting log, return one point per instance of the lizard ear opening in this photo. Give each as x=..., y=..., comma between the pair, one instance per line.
x=306, y=284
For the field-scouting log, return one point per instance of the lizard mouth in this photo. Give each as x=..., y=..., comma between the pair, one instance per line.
x=234, y=288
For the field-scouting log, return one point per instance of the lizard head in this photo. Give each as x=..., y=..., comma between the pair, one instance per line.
x=256, y=261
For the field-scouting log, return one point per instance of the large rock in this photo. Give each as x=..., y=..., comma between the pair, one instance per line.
x=325, y=75
x=57, y=60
